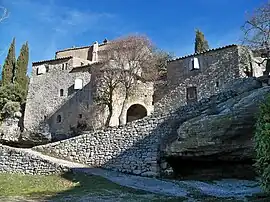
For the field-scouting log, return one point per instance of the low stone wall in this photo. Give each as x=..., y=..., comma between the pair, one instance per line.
x=14, y=160
x=136, y=147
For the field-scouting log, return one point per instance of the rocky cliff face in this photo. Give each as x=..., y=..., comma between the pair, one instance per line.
x=11, y=133
x=222, y=134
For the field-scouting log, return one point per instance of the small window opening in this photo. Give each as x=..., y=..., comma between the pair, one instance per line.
x=63, y=66
x=217, y=84
x=66, y=65
x=58, y=119
x=61, y=92
x=80, y=116
x=191, y=94
x=47, y=68
x=82, y=63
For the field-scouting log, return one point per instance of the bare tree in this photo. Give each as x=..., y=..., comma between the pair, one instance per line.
x=126, y=61
x=257, y=32
x=4, y=13
x=133, y=58
x=108, y=80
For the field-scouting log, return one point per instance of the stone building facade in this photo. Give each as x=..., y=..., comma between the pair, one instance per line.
x=61, y=93
x=193, y=77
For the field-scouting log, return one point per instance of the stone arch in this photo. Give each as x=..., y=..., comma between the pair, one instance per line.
x=135, y=112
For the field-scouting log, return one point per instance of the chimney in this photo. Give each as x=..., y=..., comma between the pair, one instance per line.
x=95, y=52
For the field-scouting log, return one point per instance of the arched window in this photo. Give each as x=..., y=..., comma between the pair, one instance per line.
x=58, y=119
x=61, y=92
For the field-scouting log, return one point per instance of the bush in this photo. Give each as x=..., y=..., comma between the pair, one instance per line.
x=10, y=108
x=13, y=93
x=262, y=145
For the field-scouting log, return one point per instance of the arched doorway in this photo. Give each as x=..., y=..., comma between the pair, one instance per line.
x=136, y=112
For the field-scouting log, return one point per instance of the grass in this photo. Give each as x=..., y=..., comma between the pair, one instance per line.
x=78, y=186
x=30, y=185
x=70, y=185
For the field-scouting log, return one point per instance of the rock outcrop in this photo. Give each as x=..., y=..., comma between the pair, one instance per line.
x=11, y=133
x=221, y=133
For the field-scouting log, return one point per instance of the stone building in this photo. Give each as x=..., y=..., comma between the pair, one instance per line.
x=61, y=93
x=193, y=77
x=61, y=90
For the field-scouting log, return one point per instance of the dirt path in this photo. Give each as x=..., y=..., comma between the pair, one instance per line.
x=221, y=189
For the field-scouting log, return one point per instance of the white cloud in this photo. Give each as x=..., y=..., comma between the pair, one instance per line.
x=49, y=26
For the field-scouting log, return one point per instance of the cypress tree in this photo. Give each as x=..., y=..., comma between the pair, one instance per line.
x=9, y=65
x=201, y=44
x=21, y=67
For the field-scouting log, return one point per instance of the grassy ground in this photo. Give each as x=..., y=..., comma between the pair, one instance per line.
x=80, y=187
x=69, y=187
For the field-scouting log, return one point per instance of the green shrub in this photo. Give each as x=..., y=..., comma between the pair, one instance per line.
x=262, y=145
x=10, y=108
x=13, y=93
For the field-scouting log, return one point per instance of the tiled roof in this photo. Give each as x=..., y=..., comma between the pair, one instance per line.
x=43, y=61
x=79, y=68
x=211, y=50
x=74, y=48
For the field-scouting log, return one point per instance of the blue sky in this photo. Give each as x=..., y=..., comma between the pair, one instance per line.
x=51, y=25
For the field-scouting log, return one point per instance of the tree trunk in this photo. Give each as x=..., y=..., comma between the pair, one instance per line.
x=267, y=69
x=107, y=123
x=122, y=110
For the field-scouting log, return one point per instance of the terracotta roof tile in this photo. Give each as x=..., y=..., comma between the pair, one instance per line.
x=44, y=61
x=214, y=49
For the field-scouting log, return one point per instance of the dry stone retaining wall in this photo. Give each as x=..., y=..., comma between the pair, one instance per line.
x=14, y=160
x=135, y=148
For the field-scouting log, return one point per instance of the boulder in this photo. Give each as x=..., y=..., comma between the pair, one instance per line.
x=10, y=130
x=225, y=134
x=11, y=134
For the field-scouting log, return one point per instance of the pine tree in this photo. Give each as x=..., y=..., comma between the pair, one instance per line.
x=9, y=65
x=21, y=67
x=262, y=145
x=201, y=44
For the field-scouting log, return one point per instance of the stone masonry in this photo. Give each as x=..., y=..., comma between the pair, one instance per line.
x=15, y=160
x=53, y=99
x=136, y=147
x=217, y=68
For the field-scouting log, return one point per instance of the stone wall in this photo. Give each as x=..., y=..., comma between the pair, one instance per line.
x=14, y=160
x=135, y=148
x=218, y=68
x=44, y=102
x=83, y=53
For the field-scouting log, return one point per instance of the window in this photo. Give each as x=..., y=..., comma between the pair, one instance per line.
x=58, y=119
x=78, y=84
x=41, y=70
x=63, y=66
x=47, y=68
x=194, y=64
x=66, y=65
x=82, y=63
x=80, y=116
x=61, y=92
x=191, y=94
x=217, y=84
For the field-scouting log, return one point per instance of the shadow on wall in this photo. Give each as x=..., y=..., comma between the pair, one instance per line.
x=135, y=148
x=70, y=114
x=78, y=113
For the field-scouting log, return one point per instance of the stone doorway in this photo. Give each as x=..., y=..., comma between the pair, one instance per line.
x=136, y=112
